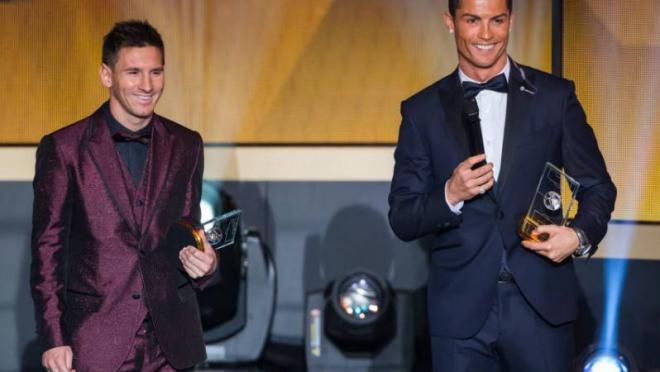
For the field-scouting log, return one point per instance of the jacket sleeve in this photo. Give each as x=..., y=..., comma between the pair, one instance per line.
x=583, y=161
x=51, y=219
x=417, y=197
x=192, y=210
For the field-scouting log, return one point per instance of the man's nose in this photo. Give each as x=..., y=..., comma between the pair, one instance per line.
x=484, y=31
x=146, y=84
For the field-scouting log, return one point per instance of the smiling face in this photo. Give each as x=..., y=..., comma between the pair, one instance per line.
x=136, y=81
x=481, y=29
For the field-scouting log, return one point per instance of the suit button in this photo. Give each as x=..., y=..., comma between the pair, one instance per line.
x=500, y=215
x=136, y=296
x=140, y=202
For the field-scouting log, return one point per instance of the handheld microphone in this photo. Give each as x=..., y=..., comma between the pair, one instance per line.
x=472, y=126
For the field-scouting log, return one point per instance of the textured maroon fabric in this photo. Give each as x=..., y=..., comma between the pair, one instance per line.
x=117, y=264
x=146, y=355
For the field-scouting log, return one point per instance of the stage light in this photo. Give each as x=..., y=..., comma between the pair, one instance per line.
x=237, y=311
x=606, y=363
x=359, y=323
x=607, y=360
x=359, y=313
x=360, y=297
x=222, y=305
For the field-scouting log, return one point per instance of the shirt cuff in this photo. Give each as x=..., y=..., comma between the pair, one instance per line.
x=455, y=208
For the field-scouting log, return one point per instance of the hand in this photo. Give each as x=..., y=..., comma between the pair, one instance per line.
x=562, y=242
x=58, y=359
x=199, y=263
x=466, y=183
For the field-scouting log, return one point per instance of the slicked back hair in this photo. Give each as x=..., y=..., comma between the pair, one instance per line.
x=455, y=4
x=131, y=33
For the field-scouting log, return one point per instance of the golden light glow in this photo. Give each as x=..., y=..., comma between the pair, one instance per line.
x=248, y=71
x=611, y=52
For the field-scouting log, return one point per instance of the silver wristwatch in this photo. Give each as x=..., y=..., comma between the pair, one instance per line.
x=585, y=246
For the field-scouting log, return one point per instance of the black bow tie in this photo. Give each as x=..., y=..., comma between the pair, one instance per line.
x=498, y=84
x=132, y=137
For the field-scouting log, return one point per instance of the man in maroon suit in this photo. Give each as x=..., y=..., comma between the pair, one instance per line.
x=110, y=294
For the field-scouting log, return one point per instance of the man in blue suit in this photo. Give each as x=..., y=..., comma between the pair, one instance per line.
x=496, y=303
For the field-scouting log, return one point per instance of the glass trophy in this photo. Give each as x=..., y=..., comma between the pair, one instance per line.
x=550, y=205
x=220, y=231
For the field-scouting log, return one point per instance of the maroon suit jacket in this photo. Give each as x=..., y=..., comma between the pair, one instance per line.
x=96, y=271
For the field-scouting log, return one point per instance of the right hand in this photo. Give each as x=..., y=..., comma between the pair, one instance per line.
x=58, y=359
x=198, y=263
x=466, y=183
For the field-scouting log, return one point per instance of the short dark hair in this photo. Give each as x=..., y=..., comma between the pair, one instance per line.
x=131, y=33
x=455, y=4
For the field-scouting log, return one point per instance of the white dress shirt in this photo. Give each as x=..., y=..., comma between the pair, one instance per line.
x=492, y=115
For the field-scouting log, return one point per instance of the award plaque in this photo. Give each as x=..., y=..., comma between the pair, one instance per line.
x=220, y=231
x=548, y=207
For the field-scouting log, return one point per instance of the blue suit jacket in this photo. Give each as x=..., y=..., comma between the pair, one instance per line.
x=544, y=123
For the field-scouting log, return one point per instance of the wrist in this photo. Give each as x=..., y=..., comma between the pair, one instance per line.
x=584, y=246
x=449, y=196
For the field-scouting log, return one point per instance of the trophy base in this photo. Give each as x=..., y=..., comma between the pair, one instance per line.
x=195, y=238
x=527, y=227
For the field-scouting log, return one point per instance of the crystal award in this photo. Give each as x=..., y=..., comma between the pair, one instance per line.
x=550, y=206
x=220, y=231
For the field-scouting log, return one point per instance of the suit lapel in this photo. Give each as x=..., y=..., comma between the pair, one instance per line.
x=102, y=151
x=451, y=97
x=519, y=102
x=157, y=168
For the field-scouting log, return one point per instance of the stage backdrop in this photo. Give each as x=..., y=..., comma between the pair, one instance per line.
x=244, y=71
x=612, y=51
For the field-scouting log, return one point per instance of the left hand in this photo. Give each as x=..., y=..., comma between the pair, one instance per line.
x=562, y=242
x=199, y=263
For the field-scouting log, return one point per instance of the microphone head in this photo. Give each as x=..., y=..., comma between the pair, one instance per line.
x=471, y=109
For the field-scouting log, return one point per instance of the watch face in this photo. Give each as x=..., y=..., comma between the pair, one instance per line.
x=581, y=251
x=584, y=246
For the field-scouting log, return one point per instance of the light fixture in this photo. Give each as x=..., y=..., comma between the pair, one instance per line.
x=237, y=311
x=222, y=305
x=359, y=312
x=599, y=359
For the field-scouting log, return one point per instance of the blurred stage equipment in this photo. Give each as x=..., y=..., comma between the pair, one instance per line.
x=598, y=359
x=359, y=324
x=359, y=313
x=238, y=310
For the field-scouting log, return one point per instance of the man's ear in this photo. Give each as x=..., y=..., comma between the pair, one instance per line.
x=449, y=21
x=105, y=73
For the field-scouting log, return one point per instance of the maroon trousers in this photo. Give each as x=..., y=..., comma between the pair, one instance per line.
x=146, y=355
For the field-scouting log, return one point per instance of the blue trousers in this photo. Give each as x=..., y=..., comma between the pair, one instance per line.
x=514, y=338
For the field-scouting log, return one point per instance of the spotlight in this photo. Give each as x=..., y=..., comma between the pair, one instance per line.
x=360, y=316
x=237, y=311
x=606, y=363
x=359, y=298
x=359, y=323
x=222, y=305
x=607, y=360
